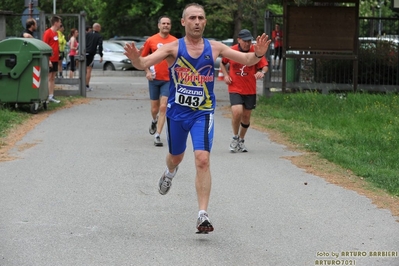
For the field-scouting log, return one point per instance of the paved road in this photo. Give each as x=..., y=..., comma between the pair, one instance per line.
x=85, y=194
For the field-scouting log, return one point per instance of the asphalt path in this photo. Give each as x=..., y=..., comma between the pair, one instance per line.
x=85, y=193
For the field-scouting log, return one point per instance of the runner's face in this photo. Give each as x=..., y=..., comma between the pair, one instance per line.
x=58, y=25
x=245, y=45
x=194, y=21
x=165, y=25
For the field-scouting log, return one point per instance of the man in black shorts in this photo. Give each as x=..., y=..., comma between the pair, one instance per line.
x=93, y=40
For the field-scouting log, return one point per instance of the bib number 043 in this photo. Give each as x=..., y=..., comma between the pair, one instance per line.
x=191, y=96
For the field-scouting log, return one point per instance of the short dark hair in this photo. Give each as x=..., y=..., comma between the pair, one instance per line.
x=30, y=22
x=55, y=19
x=88, y=28
x=164, y=16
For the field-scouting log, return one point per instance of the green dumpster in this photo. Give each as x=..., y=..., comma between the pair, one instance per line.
x=24, y=67
x=290, y=69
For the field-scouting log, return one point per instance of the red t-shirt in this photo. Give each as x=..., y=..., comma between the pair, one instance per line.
x=51, y=38
x=242, y=76
x=160, y=70
x=279, y=42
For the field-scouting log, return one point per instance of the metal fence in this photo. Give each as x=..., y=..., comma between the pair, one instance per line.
x=378, y=69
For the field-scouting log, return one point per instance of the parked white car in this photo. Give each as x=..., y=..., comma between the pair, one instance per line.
x=113, y=58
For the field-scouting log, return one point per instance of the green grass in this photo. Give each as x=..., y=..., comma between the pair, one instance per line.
x=359, y=132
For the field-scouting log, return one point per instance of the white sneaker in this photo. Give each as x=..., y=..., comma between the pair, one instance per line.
x=241, y=146
x=158, y=142
x=204, y=225
x=89, y=88
x=53, y=100
x=234, y=144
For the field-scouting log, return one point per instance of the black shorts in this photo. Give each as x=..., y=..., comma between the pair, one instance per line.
x=248, y=101
x=54, y=68
x=62, y=55
x=278, y=51
x=90, y=59
x=72, y=63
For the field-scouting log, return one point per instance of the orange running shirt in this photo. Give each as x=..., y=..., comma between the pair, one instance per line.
x=159, y=70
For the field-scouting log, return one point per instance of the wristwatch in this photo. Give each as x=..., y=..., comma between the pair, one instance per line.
x=263, y=72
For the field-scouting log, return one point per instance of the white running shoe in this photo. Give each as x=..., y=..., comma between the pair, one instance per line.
x=204, y=225
x=53, y=100
x=165, y=183
x=234, y=144
x=158, y=142
x=241, y=146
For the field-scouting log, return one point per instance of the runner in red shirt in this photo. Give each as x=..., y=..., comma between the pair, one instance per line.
x=241, y=80
x=50, y=37
x=158, y=78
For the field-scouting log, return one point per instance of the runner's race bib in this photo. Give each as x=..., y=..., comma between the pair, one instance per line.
x=191, y=96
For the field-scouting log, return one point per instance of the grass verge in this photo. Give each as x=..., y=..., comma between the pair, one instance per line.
x=359, y=132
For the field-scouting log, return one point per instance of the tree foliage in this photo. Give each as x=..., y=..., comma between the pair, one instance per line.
x=225, y=18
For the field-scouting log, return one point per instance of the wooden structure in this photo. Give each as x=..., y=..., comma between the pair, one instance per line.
x=324, y=28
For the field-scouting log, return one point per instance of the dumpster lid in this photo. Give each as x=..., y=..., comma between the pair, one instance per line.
x=32, y=45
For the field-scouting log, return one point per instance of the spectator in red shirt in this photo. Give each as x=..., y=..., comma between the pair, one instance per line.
x=50, y=37
x=277, y=38
x=241, y=81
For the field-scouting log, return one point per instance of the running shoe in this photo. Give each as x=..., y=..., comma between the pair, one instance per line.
x=158, y=142
x=53, y=100
x=234, y=144
x=165, y=183
x=153, y=127
x=204, y=224
x=241, y=146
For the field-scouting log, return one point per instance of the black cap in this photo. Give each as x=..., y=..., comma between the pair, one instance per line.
x=245, y=35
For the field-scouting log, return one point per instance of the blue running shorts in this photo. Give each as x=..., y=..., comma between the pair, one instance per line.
x=201, y=130
x=158, y=88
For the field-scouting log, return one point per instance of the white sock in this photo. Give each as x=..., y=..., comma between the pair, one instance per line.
x=169, y=174
x=201, y=212
x=50, y=96
x=156, y=135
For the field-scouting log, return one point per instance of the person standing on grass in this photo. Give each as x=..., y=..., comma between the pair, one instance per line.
x=50, y=37
x=191, y=102
x=241, y=81
x=158, y=78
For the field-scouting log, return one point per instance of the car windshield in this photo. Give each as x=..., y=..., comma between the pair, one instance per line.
x=112, y=47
